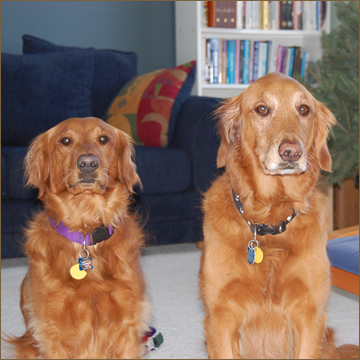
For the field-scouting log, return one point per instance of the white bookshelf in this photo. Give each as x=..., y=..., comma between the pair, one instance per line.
x=191, y=35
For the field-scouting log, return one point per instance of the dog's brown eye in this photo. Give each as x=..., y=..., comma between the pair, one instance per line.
x=103, y=139
x=262, y=110
x=66, y=141
x=304, y=110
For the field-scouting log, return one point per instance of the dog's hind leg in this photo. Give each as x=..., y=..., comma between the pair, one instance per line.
x=24, y=300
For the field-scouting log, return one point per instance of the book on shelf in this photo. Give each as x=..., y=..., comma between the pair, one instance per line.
x=244, y=61
x=290, y=61
x=286, y=15
x=269, y=63
x=309, y=19
x=214, y=14
x=208, y=68
x=283, y=60
x=237, y=61
x=255, y=61
x=204, y=13
x=252, y=14
x=265, y=15
x=263, y=58
x=275, y=15
x=214, y=60
x=297, y=58
x=304, y=63
x=223, y=61
x=298, y=15
x=221, y=14
x=230, y=71
x=251, y=62
x=230, y=10
x=241, y=62
x=239, y=14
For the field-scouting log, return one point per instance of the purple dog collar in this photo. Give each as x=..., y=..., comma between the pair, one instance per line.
x=100, y=234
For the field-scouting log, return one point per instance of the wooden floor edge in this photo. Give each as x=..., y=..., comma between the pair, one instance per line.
x=350, y=231
x=345, y=280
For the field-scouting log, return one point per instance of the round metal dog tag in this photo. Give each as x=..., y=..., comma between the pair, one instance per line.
x=259, y=255
x=76, y=273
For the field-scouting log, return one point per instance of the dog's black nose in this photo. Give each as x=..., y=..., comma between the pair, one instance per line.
x=290, y=150
x=87, y=163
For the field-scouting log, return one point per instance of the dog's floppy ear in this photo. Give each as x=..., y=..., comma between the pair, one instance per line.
x=227, y=113
x=324, y=120
x=37, y=164
x=126, y=167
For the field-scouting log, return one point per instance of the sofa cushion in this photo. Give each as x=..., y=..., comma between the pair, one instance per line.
x=344, y=253
x=163, y=170
x=112, y=69
x=167, y=207
x=39, y=91
x=4, y=178
x=14, y=216
x=14, y=184
x=147, y=106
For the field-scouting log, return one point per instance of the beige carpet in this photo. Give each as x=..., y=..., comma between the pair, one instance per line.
x=172, y=282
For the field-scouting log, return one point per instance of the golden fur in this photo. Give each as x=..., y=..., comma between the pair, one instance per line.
x=275, y=309
x=105, y=314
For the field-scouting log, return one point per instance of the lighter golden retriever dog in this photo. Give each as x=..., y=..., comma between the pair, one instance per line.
x=84, y=293
x=265, y=274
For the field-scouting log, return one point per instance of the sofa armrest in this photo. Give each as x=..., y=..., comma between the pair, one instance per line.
x=196, y=132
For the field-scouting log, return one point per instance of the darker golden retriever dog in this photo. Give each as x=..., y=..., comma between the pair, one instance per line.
x=265, y=274
x=84, y=293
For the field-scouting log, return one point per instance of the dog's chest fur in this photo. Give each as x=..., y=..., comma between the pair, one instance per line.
x=277, y=254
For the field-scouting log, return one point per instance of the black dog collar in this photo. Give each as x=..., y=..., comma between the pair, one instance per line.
x=101, y=233
x=262, y=229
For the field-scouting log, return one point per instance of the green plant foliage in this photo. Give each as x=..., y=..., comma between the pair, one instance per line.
x=336, y=84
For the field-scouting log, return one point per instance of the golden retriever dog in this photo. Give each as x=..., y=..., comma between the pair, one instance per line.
x=84, y=293
x=265, y=274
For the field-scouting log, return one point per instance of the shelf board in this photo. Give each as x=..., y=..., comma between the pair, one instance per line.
x=234, y=31
x=224, y=86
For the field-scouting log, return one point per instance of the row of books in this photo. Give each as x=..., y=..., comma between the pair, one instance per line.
x=244, y=61
x=265, y=15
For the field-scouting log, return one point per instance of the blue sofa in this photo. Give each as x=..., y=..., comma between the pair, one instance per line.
x=42, y=87
x=343, y=252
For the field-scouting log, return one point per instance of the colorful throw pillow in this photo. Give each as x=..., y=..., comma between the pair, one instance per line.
x=147, y=106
